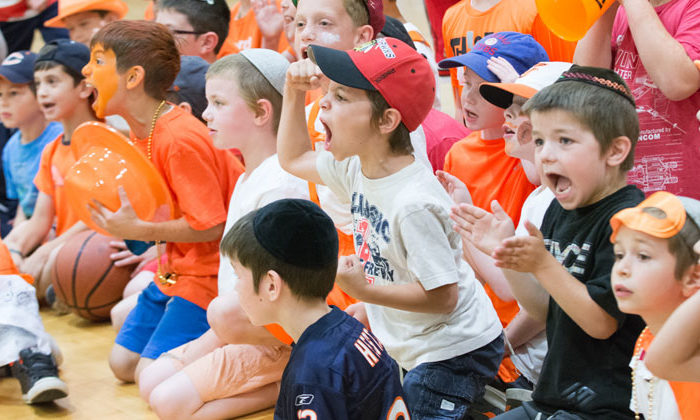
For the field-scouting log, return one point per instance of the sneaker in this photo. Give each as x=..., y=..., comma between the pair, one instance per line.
x=38, y=375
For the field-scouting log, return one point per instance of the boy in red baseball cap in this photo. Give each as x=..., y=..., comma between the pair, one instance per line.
x=423, y=301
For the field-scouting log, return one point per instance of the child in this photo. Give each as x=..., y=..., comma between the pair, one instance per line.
x=285, y=255
x=205, y=378
x=652, y=45
x=199, y=27
x=19, y=109
x=83, y=18
x=25, y=348
x=525, y=338
x=582, y=153
x=414, y=278
x=256, y=24
x=469, y=21
x=65, y=97
x=480, y=160
x=655, y=271
x=132, y=65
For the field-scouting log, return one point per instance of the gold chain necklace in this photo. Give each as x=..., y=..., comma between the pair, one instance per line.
x=637, y=358
x=166, y=279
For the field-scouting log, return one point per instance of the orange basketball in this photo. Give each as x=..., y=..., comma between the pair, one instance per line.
x=84, y=277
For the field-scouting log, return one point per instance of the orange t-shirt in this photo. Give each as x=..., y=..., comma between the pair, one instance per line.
x=463, y=26
x=201, y=179
x=56, y=159
x=243, y=33
x=7, y=265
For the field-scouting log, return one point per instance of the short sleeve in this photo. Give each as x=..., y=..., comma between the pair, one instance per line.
x=599, y=286
x=430, y=255
x=338, y=176
x=44, y=177
x=688, y=31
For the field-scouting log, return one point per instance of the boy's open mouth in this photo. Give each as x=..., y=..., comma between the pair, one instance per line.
x=304, y=53
x=560, y=184
x=47, y=106
x=329, y=135
x=508, y=129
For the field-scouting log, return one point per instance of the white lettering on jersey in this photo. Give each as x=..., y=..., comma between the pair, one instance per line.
x=369, y=347
x=307, y=414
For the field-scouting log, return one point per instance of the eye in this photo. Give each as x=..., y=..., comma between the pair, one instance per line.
x=218, y=103
x=619, y=256
x=324, y=23
x=99, y=61
x=300, y=24
x=643, y=256
x=565, y=140
x=538, y=142
x=339, y=97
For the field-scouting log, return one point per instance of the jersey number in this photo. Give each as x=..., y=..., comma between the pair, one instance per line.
x=398, y=410
x=306, y=414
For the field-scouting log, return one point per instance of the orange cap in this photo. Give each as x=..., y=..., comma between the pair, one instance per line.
x=676, y=210
x=70, y=7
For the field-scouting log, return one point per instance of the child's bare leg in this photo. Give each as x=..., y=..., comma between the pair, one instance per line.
x=121, y=310
x=173, y=361
x=43, y=279
x=123, y=363
x=138, y=283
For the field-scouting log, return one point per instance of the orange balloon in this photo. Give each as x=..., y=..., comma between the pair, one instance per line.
x=106, y=160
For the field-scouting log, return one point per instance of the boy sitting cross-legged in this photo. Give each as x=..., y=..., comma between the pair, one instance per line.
x=583, y=151
x=285, y=258
x=423, y=301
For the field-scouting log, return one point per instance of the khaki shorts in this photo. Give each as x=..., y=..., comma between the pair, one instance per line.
x=235, y=369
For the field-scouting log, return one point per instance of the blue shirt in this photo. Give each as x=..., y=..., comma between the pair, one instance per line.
x=20, y=163
x=338, y=370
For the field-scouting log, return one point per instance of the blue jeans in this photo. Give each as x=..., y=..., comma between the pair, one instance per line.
x=446, y=389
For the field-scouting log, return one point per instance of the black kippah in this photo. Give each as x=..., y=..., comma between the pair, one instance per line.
x=596, y=76
x=297, y=232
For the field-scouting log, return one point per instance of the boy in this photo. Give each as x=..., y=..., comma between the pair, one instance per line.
x=469, y=21
x=285, y=255
x=205, y=378
x=525, y=338
x=480, y=160
x=655, y=271
x=65, y=97
x=19, y=109
x=582, y=153
x=414, y=278
x=256, y=24
x=652, y=45
x=132, y=64
x=83, y=18
x=199, y=27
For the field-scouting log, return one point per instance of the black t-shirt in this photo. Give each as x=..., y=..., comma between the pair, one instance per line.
x=581, y=374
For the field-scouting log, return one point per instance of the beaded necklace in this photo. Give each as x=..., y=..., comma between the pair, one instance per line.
x=637, y=358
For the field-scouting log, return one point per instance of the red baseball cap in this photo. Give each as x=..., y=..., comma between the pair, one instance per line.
x=386, y=65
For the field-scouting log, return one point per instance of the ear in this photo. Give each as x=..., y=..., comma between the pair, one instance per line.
x=270, y=288
x=264, y=112
x=185, y=106
x=617, y=152
x=364, y=34
x=84, y=91
x=389, y=121
x=135, y=77
x=207, y=42
x=691, y=281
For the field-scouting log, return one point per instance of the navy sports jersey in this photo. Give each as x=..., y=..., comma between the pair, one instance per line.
x=339, y=370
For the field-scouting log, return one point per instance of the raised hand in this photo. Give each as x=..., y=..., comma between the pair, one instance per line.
x=522, y=253
x=483, y=229
x=454, y=187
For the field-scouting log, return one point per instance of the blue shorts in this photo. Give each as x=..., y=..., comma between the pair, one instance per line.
x=446, y=389
x=159, y=323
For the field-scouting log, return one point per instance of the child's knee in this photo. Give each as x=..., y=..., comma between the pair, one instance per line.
x=225, y=316
x=121, y=310
x=153, y=375
x=174, y=399
x=123, y=363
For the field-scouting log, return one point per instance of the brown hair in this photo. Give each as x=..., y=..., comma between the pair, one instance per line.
x=252, y=85
x=400, y=139
x=146, y=44
x=681, y=244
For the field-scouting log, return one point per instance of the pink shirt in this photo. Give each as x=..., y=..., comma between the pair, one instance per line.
x=441, y=132
x=668, y=150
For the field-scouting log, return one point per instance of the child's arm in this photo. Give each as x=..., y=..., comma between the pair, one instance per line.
x=407, y=297
x=594, y=48
x=27, y=236
x=529, y=255
x=675, y=352
x=126, y=225
x=522, y=329
x=293, y=142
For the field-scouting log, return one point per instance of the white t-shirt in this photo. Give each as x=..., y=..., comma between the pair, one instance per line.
x=337, y=207
x=403, y=234
x=528, y=357
x=267, y=183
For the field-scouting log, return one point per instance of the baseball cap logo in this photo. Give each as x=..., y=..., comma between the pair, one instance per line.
x=366, y=46
x=14, y=58
x=386, y=49
x=490, y=41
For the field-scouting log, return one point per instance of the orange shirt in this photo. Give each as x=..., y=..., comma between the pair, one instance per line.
x=201, y=179
x=7, y=266
x=56, y=159
x=463, y=26
x=243, y=33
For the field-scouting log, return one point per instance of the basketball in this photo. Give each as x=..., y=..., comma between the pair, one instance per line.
x=84, y=277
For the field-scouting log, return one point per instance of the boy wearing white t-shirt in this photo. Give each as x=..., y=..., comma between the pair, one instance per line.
x=422, y=300
x=205, y=377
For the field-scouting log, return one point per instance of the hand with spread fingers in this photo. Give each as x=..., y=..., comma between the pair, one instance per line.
x=123, y=223
x=526, y=254
x=483, y=229
x=455, y=188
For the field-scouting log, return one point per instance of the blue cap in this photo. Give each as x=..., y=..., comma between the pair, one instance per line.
x=520, y=50
x=18, y=67
x=190, y=83
x=71, y=54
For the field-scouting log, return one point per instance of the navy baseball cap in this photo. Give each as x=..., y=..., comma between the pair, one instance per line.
x=18, y=67
x=521, y=51
x=190, y=83
x=71, y=54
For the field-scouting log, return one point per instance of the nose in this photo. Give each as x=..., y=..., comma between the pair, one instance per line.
x=325, y=102
x=206, y=114
x=470, y=94
x=545, y=153
x=87, y=70
x=621, y=268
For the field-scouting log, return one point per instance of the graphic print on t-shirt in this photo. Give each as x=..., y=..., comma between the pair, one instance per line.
x=371, y=231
